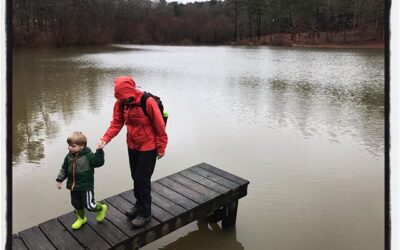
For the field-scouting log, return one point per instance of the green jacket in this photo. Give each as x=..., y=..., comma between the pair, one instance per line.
x=79, y=169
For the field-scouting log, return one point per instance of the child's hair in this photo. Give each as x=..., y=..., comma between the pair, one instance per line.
x=77, y=138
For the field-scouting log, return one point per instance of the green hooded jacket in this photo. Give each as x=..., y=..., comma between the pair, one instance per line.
x=79, y=169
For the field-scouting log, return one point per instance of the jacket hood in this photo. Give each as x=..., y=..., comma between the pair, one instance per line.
x=124, y=87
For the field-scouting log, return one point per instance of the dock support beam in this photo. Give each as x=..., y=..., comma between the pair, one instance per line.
x=229, y=215
x=226, y=214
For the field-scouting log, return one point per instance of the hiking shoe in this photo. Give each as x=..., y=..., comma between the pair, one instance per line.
x=79, y=222
x=102, y=213
x=140, y=221
x=132, y=212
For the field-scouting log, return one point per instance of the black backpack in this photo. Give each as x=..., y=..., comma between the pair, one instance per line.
x=143, y=101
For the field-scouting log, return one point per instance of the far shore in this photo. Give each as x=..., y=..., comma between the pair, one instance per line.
x=343, y=46
x=336, y=40
x=355, y=45
x=327, y=45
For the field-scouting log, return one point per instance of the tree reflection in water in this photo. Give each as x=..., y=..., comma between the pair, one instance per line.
x=50, y=87
x=314, y=108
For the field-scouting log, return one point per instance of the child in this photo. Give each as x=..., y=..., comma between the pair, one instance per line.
x=78, y=167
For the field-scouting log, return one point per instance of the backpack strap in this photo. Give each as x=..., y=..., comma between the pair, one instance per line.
x=126, y=106
x=143, y=101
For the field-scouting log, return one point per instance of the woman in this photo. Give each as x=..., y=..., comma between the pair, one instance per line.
x=146, y=139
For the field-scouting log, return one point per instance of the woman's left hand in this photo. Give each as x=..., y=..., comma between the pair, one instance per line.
x=101, y=144
x=160, y=155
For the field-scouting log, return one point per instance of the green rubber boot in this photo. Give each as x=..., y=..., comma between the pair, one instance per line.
x=101, y=212
x=80, y=219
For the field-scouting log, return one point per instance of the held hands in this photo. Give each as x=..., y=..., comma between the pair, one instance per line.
x=58, y=185
x=101, y=144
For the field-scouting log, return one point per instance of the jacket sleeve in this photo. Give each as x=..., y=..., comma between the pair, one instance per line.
x=96, y=160
x=62, y=175
x=116, y=124
x=158, y=125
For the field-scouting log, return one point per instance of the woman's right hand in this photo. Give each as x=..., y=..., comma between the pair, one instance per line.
x=101, y=144
x=58, y=185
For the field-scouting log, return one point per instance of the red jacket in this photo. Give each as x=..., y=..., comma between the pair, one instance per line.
x=143, y=132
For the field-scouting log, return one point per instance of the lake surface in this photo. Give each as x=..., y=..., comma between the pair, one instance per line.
x=304, y=126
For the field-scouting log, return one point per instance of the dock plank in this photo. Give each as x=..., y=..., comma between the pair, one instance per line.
x=85, y=235
x=157, y=209
x=106, y=230
x=17, y=243
x=224, y=174
x=214, y=177
x=58, y=235
x=160, y=214
x=120, y=203
x=183, y=190
x=204, y=181
x=173, y=196
x=125, y=201
x=124, y=224
x=128, y=195
x=35, y=239
x=209, y=193
x=167, y=204
x=119, y=220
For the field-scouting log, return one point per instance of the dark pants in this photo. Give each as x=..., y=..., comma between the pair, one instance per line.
x=83, y=199
x=142, y=165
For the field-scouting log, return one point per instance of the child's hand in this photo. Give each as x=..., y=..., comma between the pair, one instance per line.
x=58, y=185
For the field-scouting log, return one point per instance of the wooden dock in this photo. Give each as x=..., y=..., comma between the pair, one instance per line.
x=196, y=193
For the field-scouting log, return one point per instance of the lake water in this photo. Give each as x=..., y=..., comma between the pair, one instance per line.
x=304, y=126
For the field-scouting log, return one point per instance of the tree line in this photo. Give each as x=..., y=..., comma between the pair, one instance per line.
x=90, y=22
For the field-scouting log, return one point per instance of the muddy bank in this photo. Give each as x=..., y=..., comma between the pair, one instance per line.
x=344, y=46
x=344, y=39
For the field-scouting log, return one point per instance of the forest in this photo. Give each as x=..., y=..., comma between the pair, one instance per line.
x=58, y=23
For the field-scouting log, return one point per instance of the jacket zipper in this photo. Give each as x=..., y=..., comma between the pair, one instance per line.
x=141, y=124
x=131, y=130
x=73, y=174
x=145, y=132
